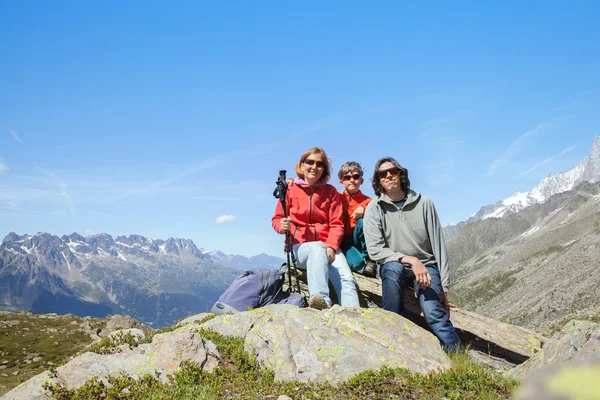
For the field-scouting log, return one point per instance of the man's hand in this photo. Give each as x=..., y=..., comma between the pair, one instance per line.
x=445, y=300
x=359, y=212
x=285, y=224
x=330, y=254
x=421, y=274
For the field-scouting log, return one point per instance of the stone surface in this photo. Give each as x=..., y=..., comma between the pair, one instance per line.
x=562, y=381
x=193, y=319
x=576, y=342
x=164, y=355
x=513, y=343
x=331, y=345
x=118, y=322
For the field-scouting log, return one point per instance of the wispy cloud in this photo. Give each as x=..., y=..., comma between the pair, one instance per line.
x=3, y=167
x=222, y=219
x=516, y=147
x=547, y=160
x=65, y=194
x=15, y=136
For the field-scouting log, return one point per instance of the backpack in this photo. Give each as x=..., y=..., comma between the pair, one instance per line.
x=256, y=288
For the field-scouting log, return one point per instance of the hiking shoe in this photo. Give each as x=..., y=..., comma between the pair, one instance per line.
x=370, y=269
x=318, y=302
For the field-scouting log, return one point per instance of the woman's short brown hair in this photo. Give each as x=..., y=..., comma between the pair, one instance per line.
x=326, y=171
x=403, y=172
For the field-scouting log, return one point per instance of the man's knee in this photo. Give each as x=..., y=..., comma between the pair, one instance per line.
x=392, y=269
x=434, y=313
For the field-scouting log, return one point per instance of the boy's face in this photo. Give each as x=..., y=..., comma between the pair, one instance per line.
x=351, y=181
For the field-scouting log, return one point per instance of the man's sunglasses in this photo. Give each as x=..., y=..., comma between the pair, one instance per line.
x=383, y=173
x=353, y=176
x=320, y=164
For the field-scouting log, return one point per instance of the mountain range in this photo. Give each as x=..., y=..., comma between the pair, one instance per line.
x=155, y=281
x=532, y=259
x=588, y=170
x=237, y=261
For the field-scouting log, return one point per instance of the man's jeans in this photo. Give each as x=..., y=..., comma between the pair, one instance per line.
x=312, y=256
x=393, y=274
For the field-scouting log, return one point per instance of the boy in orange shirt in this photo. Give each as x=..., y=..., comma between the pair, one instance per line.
x=355, y=203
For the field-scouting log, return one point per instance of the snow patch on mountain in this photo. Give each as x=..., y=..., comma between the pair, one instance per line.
x=586, y=171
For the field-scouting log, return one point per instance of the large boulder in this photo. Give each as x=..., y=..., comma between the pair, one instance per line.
x=575, y=380
x=330, y=345
x=577, y=342
x=499, y=345
x=164, y=356
x=117, y=322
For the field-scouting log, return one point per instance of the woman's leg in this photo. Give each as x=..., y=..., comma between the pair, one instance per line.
x=343, y=281
x=312, y=256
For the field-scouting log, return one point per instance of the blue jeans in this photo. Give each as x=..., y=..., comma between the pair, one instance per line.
x=355, y=248
x=312, y=256
x=393, y=275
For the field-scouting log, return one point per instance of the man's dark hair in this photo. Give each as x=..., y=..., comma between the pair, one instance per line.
x=404, y=181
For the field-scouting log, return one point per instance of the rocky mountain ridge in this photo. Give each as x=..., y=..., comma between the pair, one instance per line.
x=536, y=268
x=588, y=170
x=156, y=281
x=243, y=263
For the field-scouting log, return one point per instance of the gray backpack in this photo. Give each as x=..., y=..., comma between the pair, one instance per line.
x=256, y=288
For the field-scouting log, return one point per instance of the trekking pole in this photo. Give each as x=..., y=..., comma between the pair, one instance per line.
x=280, y=193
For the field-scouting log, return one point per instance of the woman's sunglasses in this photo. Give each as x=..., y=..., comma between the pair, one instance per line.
x=353, y=176
x=383, y=173
x=320, y=164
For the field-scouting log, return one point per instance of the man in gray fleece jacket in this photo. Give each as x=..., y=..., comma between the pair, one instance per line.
x=403, y=232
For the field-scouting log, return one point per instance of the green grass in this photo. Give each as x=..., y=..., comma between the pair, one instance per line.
x=31, y=338
x=239, y=376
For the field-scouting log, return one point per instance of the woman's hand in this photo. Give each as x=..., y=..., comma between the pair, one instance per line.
x=285, y=224
x=330, y=254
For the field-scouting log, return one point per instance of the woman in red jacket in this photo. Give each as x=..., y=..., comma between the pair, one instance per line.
x=315, y=222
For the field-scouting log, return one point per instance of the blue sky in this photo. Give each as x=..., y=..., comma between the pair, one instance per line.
x=173, y=118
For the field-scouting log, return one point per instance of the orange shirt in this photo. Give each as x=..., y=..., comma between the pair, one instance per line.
x=351, y=203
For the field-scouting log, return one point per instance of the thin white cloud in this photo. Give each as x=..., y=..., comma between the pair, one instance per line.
x=515, y=148
x=15, y=136
x=547, y=160
x=89, y=232
x=3, y=167
x=65, y=194
x=222, y=219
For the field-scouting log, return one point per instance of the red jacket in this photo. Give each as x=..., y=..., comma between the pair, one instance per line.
x=316, y=214
x=351, y=203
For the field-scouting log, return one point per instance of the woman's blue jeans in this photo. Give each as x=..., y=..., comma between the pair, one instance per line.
x=312, y=256
x=393, y=275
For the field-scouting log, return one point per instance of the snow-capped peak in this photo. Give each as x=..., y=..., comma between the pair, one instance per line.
x=587, y=170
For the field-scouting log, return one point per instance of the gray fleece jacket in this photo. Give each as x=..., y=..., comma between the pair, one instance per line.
x=414, y=230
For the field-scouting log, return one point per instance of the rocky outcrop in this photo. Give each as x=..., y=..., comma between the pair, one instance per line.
x=578, y=342
x=119, y=322
x=163, y=356
x=562, y=381
x=297, y=344
x=497, y=344
x=567, y=367
x=331, y=345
